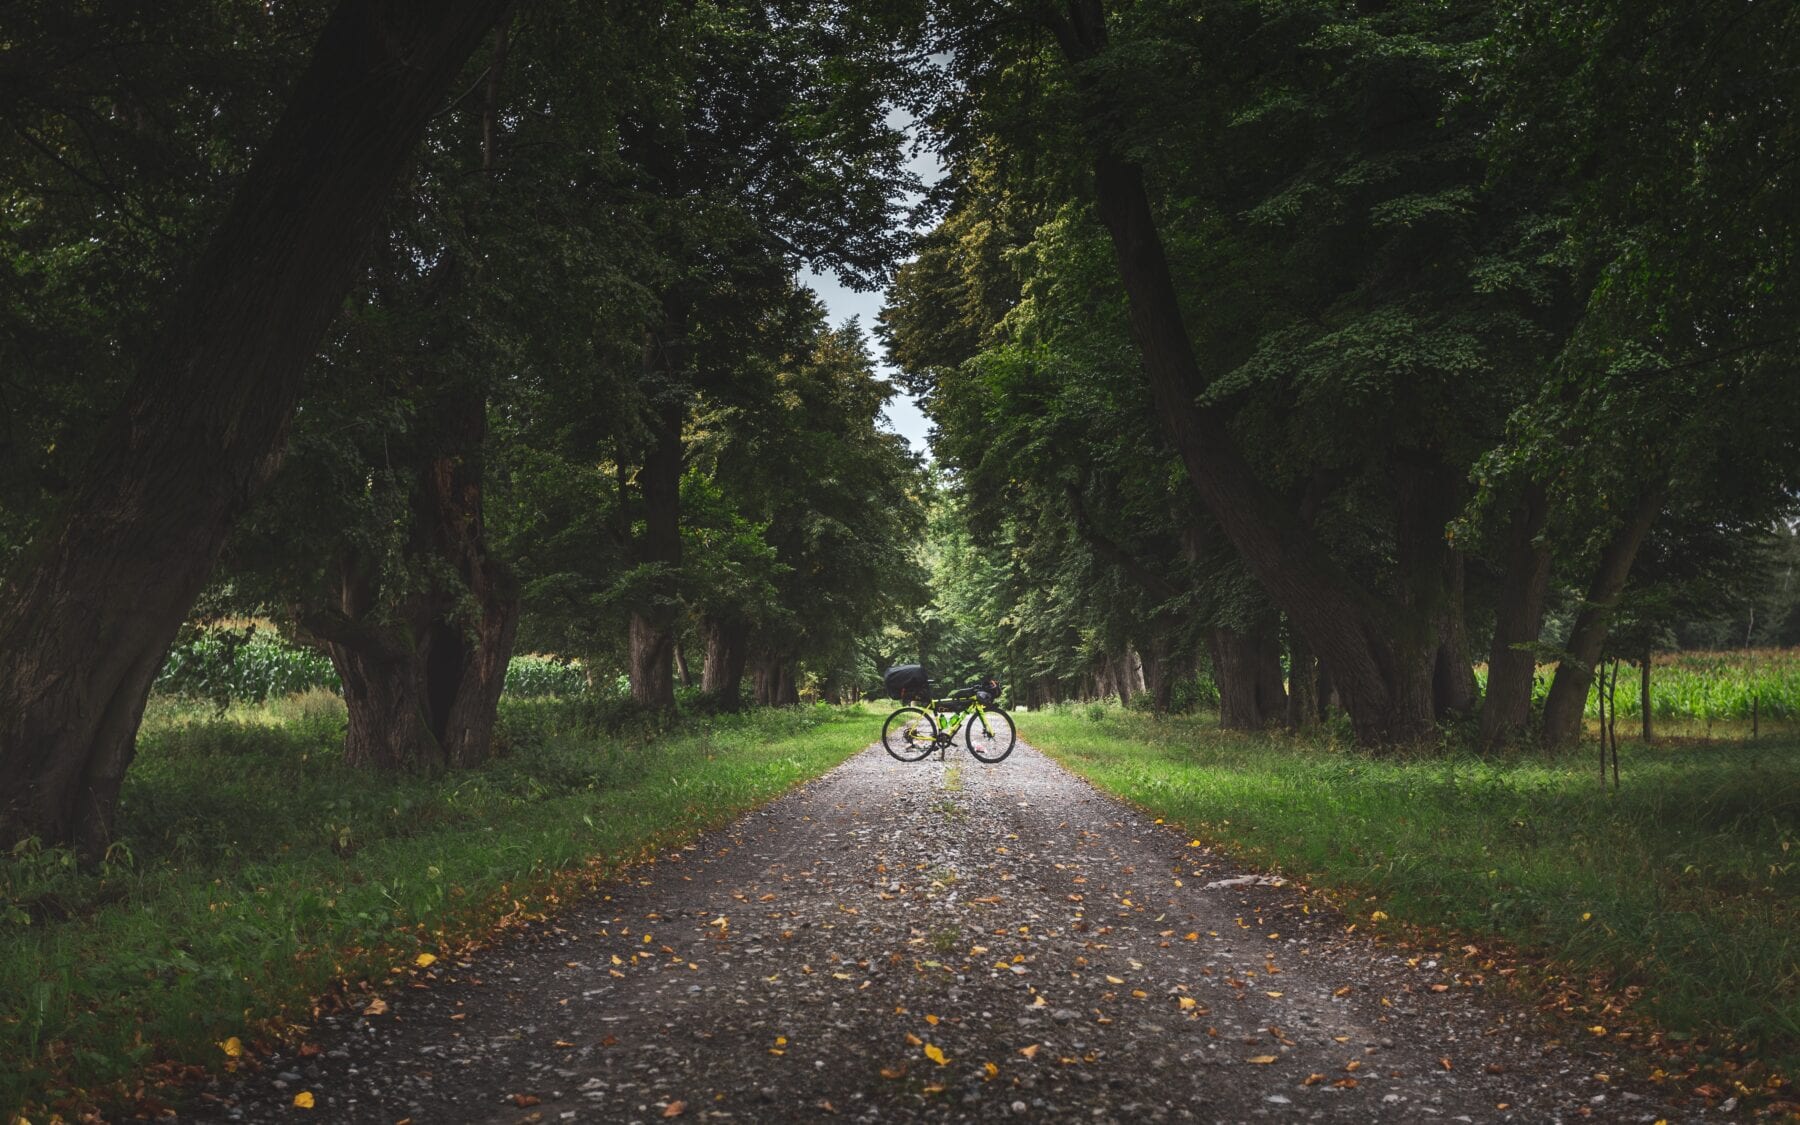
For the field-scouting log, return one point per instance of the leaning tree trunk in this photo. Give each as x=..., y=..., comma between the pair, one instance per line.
x=1518, y=621
x=727, y=650
x=1587, y=639
x=1383, y=685
x=90, y=610
x=652, y=635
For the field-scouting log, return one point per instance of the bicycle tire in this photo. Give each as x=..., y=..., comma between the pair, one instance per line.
x=905, y=741
x=990, y=735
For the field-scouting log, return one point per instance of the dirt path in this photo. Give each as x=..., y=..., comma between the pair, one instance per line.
x=1061, y=954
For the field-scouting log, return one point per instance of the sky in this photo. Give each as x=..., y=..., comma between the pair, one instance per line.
x=902, y=412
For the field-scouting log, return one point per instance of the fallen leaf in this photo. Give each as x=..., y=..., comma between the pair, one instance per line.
x=233, y=1047
x=1313, y=1080
x=1188, y=1002
x=377, y=1007
x=1261, y=1060
x=1596, y=1030
x=894, y=1071
x=425, y=960
x=992, y=1070
x=935, y=1054
x=1273, y=995
x=1031, y=1051
x=675, y=1109
x=1445, y=1061
x=1378, y=916
x=1345, y=1083
x=1114, y=980
x=303, y=1100
x=913, y=1040
x=1440, y=986
x=1344, y=991
x=1353, y=1064
x=523, y=1100
x=932, y=1020
x=563, y=1044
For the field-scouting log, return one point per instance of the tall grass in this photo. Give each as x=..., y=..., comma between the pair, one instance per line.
x=1685, y=883
x=254, y=868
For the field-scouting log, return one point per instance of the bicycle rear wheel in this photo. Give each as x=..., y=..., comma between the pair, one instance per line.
x=909, y=734
x=990, y=735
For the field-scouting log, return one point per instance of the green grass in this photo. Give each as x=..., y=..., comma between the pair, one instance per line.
x=1685, y=883
x=255, y=870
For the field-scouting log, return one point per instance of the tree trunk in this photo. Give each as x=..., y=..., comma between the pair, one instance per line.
x=681, y=666
x=1587, y=639
x=422, y=693
x=1118, y=672
x=1157, y=682
x=1303, y=682
x=1344, y=623
x=652, y=637
x=774, y=674
x=89, y=611
x=1518, y=620
x=1453, y=687
x=1247, y=669
x=727, y=650
x=1644, y=698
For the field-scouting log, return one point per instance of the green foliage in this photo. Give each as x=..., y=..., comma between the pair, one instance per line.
x=225, y=666
x=1682, y=883
x=253, y=870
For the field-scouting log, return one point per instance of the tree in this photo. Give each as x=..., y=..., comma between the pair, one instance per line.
x=89, y=609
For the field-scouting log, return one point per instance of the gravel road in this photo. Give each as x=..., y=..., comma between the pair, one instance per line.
x=943, y=941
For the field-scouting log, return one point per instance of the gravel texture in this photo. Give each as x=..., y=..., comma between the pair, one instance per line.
x=943, y=941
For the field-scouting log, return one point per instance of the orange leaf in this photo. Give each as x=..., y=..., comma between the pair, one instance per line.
x=1029, y=1052
x=1261, y=1060
x=675, y=1109
x=303, y=1100
x=523, y=1100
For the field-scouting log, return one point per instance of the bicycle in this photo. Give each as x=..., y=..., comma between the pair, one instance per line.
x=912, y=732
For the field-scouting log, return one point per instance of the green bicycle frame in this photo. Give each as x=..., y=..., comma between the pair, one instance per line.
x=972, y=706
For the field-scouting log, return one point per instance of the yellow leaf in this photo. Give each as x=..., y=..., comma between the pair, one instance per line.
x=932, y=1020
x=781, y=1040
x=1195, y=936
x=1138, y=994
x=232, y=1047
x=1193, y=843
x=1586, y=915
x=425, y=960
x=1273, y=995
x=1261, y=1060
x=935, y=1054
x=616, y=960
x=1596, y=1030
x=1029, y=1052
x=1114, y=980
x=1378, y=916
x=1040, y=1002
x=992, y=1070
x=1188, y=1002
x=303, y=1100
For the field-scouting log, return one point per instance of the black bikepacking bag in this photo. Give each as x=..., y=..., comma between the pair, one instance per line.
x=908, y=683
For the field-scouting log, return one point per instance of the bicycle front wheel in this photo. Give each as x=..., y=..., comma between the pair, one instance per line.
x=990, y=735
x=909, y=734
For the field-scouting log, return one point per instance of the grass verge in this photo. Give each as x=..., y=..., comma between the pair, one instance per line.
x=1682, y=890
x=256, y=871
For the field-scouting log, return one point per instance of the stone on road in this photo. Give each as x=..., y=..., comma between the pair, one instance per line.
x=943, y=941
